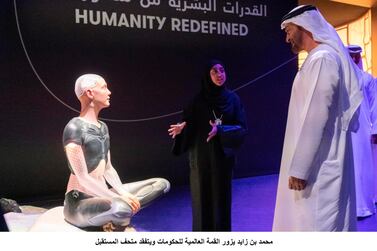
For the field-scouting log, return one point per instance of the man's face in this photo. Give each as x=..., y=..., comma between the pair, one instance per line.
x=101, y=94
x=294, y=36
x=218, y=75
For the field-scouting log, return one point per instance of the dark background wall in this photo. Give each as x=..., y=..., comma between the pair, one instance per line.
x=150, y=72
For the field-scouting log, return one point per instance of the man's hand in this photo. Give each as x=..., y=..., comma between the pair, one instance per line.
x=296, y=183
x=176, y=129
x=213, y=132
x=132, y=201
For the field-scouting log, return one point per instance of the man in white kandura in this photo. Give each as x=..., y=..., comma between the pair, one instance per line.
x=362, y=140
x=316, y=189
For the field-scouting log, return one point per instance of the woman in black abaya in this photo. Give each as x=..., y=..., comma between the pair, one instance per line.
x=213, y=127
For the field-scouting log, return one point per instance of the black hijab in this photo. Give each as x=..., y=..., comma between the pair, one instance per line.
x=218, y=97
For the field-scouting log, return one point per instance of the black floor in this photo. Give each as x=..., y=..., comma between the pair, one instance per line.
x=252, y=208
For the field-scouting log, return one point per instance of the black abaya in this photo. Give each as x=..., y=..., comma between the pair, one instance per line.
x=211, y=163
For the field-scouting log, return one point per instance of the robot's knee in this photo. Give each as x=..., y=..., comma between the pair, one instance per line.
x=163, y=184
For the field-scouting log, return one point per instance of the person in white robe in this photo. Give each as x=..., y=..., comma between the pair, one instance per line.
x=362, y=141
x=316, y=188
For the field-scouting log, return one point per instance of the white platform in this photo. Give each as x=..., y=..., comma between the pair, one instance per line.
x=50, y=221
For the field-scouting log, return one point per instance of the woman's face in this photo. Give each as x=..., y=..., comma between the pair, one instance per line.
x=218, y=75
